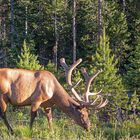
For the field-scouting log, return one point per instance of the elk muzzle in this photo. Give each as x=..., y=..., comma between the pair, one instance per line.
x=86, y=125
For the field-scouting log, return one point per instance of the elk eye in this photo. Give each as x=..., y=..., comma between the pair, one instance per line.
x=82, y=115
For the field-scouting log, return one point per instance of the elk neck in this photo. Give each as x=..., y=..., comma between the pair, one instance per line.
x=63, y=100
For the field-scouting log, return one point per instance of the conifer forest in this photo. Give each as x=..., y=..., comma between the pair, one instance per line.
x=38, y=35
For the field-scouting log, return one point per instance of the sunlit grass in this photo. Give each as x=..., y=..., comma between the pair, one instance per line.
x=64, y=129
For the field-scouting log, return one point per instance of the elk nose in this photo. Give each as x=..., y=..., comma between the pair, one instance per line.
x=87, y=127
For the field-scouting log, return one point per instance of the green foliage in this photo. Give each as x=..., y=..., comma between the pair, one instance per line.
x=116, y=25
x=87, y=28
x=108, y=80
x=27, y=60
x=134, y=101
x=132, y=76
x=50, y=67
x=133, y=20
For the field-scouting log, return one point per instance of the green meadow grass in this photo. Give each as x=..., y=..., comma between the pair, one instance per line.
x=64, y=129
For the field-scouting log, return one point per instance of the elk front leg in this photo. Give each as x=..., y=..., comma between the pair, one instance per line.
x=34, y=108
x=48, y=114
x=3, y=107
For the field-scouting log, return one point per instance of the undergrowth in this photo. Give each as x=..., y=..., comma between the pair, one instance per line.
x=64, y=129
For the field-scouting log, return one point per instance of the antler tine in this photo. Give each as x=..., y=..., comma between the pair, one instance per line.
x=90, y=80
x=94, y=102
x=88, y=83
x=72, y=67
x=68, y=72
x=102, y=104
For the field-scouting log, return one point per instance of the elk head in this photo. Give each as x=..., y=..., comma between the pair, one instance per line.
x=84, y=102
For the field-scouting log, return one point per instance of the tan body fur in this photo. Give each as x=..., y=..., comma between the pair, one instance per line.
x=21, y=87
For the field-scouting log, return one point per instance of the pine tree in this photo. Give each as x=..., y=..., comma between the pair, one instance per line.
x=103, y=59
x=27, y=60
x=132, y=76
x=109, y=80
x=116, y=25
x=51, y=67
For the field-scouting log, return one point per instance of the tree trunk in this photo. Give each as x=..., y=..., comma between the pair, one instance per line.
x=12, y=23
x=55, y=49
x=74, y=30
x=26, y=21
x=99, y=19
x=3, y=8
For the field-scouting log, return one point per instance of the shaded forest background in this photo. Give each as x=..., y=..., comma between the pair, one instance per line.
x=105, y=34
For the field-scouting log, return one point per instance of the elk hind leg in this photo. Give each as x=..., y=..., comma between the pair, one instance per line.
x=3, y=107
x=48, y=114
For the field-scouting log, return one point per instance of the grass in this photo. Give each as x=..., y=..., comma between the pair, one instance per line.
x=64, y=129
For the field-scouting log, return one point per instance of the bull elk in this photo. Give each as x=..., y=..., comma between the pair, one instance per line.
x=21, y=87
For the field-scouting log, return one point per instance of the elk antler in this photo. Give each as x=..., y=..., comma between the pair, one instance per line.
x=88, y=83
x=68, y=73
x=86, y=102
x=88, y=80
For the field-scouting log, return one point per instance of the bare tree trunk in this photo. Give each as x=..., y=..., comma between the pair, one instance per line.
x=26, y=21
x=55, y=49
x=124, y=5
x=74, y=30
x=0, y=27
x=3, y=8
x=12, y=23
x=99, y=20
x=4, y=31
x=3, y=14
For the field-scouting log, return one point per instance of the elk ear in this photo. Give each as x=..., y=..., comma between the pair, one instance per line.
x=75, y=106
x=81, y=106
